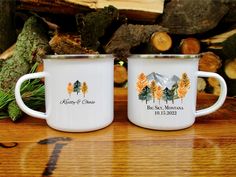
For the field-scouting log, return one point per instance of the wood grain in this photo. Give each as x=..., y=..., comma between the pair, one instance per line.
x=137, y=10
x=30, y=148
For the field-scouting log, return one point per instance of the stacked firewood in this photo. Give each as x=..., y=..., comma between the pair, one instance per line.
x=123, y=28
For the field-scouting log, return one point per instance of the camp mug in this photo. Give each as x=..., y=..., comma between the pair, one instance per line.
x=162, y=91
x=78, y=92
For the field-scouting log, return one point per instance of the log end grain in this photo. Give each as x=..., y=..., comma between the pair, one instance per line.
x=230, y=69
x=190, y=46
x=209, y=62
x=161, y=41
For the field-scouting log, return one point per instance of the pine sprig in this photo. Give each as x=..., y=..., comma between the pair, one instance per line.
x=5, y=98
x=32, y=92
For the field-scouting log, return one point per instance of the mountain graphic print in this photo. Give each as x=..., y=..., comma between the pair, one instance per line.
x=156, y=87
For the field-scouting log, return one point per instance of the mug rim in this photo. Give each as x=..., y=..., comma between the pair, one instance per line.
x=165, y=56
x=77, y=56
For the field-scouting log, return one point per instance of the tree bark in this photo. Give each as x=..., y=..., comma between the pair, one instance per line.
x=31, y=45
x=192, y=17
x=129, y=36
x=68, y=44
x=7, y=24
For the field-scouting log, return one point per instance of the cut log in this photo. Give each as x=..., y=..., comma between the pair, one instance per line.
x=120, y=74
x=230, y=17
x=138, y=5
x=7, y=53
x=209, y=62
x=229, y=47
x=68, y=44
x=54, y=7
x=31, y=46
x=147, y=10
x=192, y=17
x=190, y=46
x=51, y=25
x=138, y=10
x=231, y=86
x=201, y=84
x=217, y=39
x=40, y=68
x=161, y=41
x=94, y=25
x=230, y=69
x=7, y=24
x=129, y=36
x=214, y=83
x=223, y=43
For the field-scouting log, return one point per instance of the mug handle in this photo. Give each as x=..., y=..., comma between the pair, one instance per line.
x=222, y=97
x=18, y=97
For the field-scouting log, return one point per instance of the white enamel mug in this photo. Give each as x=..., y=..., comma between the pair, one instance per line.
x=162, y=91
x=78, y=92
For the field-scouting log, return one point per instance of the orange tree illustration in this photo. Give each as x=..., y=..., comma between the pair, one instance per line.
x=84, y=88
x=153, y=88
x=142, y=82
x=159, y=93
x=183, y=86
x=185, y=79
x=70, y=88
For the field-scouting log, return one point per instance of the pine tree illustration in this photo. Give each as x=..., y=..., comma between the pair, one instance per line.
x=84, y=88
x=141, y=82
x=153, y=88
x=159, y=93
x=172, y=94
x=77, y=86
x=165, y=93
x=145, y=94
x=169, y=94
x=70, y=88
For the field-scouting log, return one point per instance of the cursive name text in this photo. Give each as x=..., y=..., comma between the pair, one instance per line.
x=76, y=102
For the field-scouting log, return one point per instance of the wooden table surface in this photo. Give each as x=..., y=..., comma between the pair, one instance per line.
x=30, y=148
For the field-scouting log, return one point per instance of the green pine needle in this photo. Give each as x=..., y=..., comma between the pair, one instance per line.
x=14, y=111
x=32, y=92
